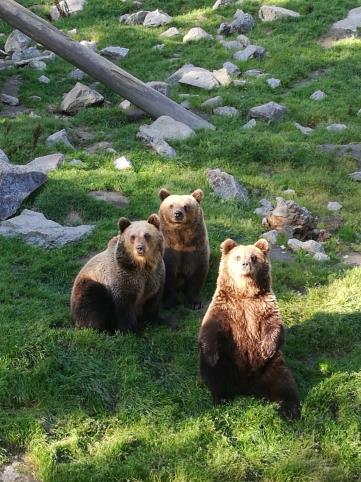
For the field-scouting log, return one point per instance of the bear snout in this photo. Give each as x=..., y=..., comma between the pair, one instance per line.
x=140, y=248
x=178, y=215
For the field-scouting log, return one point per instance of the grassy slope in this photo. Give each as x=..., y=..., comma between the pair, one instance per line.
x=90, y=407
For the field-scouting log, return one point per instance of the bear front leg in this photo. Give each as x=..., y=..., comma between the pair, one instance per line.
x=273, y=336
x=125, y=317
x=170, y=286
x=151, y=309
x=192, y=288
x=208, y=342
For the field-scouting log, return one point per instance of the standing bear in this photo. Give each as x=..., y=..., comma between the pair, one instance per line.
x=242, y=332
x=186, y=254
x=121, y=288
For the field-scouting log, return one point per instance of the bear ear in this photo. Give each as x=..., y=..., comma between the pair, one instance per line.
x=163, y=193
x=198, y=195
x=123, y=223
x=227, y=246
x=154, y=219
x=263, y=245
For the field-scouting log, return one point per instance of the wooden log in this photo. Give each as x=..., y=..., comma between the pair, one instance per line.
x=99, y=68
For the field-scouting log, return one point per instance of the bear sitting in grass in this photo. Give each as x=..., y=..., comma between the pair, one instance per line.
x=122, y=287
x=242, y=332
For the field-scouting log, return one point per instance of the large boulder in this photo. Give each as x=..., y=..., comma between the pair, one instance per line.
x=226, y=186
x=79, y=97
x=35, y=229
x=71, y=7
x=195, y=76
x=270, y=13
x=17, y=42
x=348, y=25
x=271, y=112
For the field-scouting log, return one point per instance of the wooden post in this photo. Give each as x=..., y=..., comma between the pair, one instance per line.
x=99, y=68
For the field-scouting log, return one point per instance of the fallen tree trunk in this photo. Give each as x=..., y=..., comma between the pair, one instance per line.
x=99, y=68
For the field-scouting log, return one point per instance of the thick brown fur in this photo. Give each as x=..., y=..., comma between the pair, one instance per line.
x=121, y=288
x=242, y=332
x=186, y=247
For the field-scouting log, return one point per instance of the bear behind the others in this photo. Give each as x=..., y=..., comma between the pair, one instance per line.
x=242, y=332
x=122, y=287
x=186, y=254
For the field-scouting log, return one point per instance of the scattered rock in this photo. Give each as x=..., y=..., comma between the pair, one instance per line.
x=232, y=69
x=29, y=53
x=89, y=44
x=344, y=150
x=311, y=247
x=336, y=127
x=195, y=76
x=250, y=124
x=226, y=111
x=250, y=52
x=223, y=77
x=270, y=13
x=123, y=18
x=195, y=34
x=348, y=26
x=171, y=32
x=254, y=73
x=352, y=258
x=158, y=47
x=17, y=42
x=226, y=186
x=11, y=88
x=159, y=86
x=271, y=112
x=37, y=64
x=3, y=156
x=35, y=98
x=112, y=197
x=159, y=145
x=99, y=147
x=223, y=3
x=232, y=44
x=321, y=257
x=274, y=83
x=137, y=18
x=271, y=236
x=114, y=53
x=156, y=19
x=334, y=206
x=289, y=192
x=305, y=130
x=44, y=79
x=17, y=471
x=72, y=7
x=9, y=100
x=134, y=112
x=242, y=23
x=76, y=74
x=244, y=40
x=122, y=163
x=239, y=83
x=59, y=137
x=73, y=218
x=79, y=97
x=318, y=95
x=35, y=229
x=76, y=163
x=45, y=164
x=166, y=128
x=265, y=208
x=213, y=102
x=356, y=176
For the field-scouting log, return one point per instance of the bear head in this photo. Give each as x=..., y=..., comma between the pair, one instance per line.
x=180, y=210
x=140, y=242
x=246, y=267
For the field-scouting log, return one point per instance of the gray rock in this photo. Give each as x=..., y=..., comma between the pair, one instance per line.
x=254, y=73
x=223, y=3
x=17, y=42
x=89, y=44
x=270, y=13
x=305, y=130
x=132, y=111
x=9, y=100
x=226, y=111
x=274, y=83
x=16, y=472
x=250, y=52
x=310, y=247
x=16, y=184
x=231, y=68
x=137, y=18
x=45, y=164
x=318, y=95
x=35, y=98
x=250, y=124
x=245, y=41
x=350, y=24
x=344, y=150
x=114, y=52
x=232, y=44
x=271, y=236
x=242, y=23
x=289, y=192
x=171, y=32
x=336, y=127
x=321, y=257
x=239, y=83
x=59, y=137
x=213, y=102
x=195, y=34
x=76, y=74
x=29, y=53
x=124, y=18
x=113, y=197
x=265, y=208
x=271, y=112
x=122, y=163
x=226, y=186
x=356, y=176
x=44, y=79
x=100, y=147
x=79, y=97
x=359, y=113
x=166, y=128
x=158, y=47
x=3, y=156
x=334, y=206
x=76, y=163
x=35, y=229
x=159, y=86
x=223, y=77
x=37, y=64
x=195, y=76
x=73, y=7
x=156, y=19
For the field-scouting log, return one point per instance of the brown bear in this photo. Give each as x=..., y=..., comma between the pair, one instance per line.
x=242, y=332
x=186, y=254
x=122, y=287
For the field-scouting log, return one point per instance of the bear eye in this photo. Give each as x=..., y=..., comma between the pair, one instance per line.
x=132, y=238
x=186, y=207
x=171, y=206
x=147, y=236
x=238, y=258
x=253, y=258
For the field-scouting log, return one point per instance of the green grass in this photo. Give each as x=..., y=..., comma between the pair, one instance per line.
x=89, y=407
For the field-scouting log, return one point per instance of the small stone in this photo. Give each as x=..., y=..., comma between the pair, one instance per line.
x=273, y=83
x=59, y=137
x=336, y=127
x=226, y=111
x=289, y=192
x=334, y=206
x=318, y=95
x=3, y=156
x=45, y=164
x=311, y=246
x=239, y=83
x=73, y=31
x=132, y=111
x=322, y=257
x=9, y=100
x=305, y=130
x=44, y=79
x=195, y=76
x=265, y=208
x=76, y=74
x=231, y=68
x=232, y=44
x=222, y=3
x=171, y=32
x=114, y=53
x=122, y=163
x=359, y=112
x=356, y=176
x=250, y=124
x=213, y=102
x=76, y=163
x=37, y=64
x=250, y=52
x=26, y=54
x=223, y=77
x=244, y=40
x=226, y=186
x=271, y=236
x=271, y=112
x=123, y=18
x=270, y=13
x=195, y=34
x=35, y=98
x=166, y=128
x=81, y=96
x=186, y=104
x=156, y=19
x=137, y=18
x=158, y=47
x=89, y=44
x=72, y=7
x=17, y=42
x=34, y=115
x=100, y=147
x=112, y=197
x=254, y=73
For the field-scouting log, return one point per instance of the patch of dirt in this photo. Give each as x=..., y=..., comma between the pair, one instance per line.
x=11, y=87
x=352, y=258
x=279, y=254
x=17, y=471
x=333, y=36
